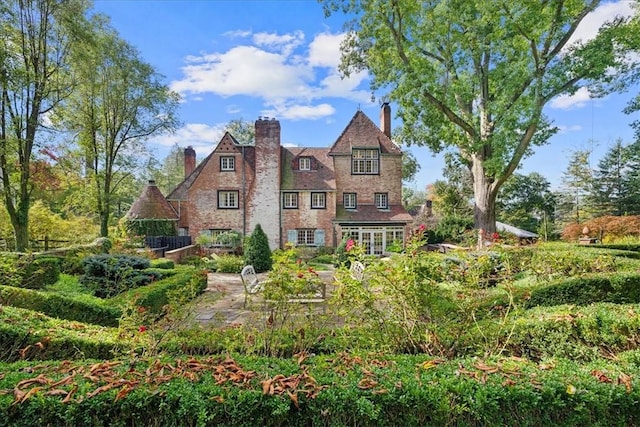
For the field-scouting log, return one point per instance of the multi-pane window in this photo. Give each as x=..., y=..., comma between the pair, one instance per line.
x=382, y=200
x=304, y=163
x=290, y=200
x=227, y=199
x=227, y=163
x=318, y=200
x=349, y=200
x=306, y=236
x=365, y=161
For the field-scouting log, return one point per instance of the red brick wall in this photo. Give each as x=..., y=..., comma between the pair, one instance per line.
x=305, y=217
x=388, y=181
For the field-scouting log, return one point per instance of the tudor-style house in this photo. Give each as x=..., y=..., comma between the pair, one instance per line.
x=306, y=196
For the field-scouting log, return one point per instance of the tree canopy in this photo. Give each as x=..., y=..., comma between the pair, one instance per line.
x=474, y=77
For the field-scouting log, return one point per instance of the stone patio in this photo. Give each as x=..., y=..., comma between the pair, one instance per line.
x=222, y=302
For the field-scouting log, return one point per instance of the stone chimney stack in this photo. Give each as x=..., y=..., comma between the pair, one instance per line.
x=189, y=160
x=385, y=119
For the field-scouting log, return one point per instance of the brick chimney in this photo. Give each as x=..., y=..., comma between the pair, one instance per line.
x=264, y=201
x=189, y=160
x=385, y=119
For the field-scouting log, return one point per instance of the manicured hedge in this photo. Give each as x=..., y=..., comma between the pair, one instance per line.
x=618, y=288
x=154, y=297
x=28, y=271
x=26, y=334
x=336, y=390
x=62, y=307
x=582, y=334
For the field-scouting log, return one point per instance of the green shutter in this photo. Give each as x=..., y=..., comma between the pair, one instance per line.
x=292, y=236
x=318, y=237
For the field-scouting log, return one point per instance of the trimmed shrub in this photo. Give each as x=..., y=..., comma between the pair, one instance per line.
x=153, y=297
x=29, y=335
x=257, y=251
x=28, y=271
x=617, y=288
x=229, y=264
x=61, y=307
x=109, y=275
x=163, y=263
x=337, y=390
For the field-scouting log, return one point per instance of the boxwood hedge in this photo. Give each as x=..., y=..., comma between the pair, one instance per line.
x=62, y=307
x=336, y=390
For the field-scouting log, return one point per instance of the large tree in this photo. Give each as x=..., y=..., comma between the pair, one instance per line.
x=577, y=187
x=475, y=76
x=119, y=103
x=526, y=201
x=37, y=36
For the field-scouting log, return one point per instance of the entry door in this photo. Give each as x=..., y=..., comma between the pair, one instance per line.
x=373, y=242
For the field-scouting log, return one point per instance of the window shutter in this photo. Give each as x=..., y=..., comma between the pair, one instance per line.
x=318, y=237
x=292, y=236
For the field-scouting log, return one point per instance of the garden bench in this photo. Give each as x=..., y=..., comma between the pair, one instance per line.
x=253, y=285
x=356, y=271
x=250, y=281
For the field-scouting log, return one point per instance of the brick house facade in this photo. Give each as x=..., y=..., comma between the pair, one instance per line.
x=306, y=196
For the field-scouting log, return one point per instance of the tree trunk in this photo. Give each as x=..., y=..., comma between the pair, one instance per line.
x=20, y=222
x=484, y=194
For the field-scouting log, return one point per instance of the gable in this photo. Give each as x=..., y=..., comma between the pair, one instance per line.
x=227, y=145
x=361, y=132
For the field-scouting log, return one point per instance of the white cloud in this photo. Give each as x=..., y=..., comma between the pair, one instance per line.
x=243, y=70
x=567, y=129
x=592, y=23
x=299, y=112
x=203, y=138
x=577, y=100
x=287, y=75
x=285, y=43
x=324, y=50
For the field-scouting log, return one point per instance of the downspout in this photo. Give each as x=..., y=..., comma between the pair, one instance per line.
x=244, y=198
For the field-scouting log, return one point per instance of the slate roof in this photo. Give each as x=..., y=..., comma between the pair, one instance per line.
x=361, y=132
x=151, y=205
x=369, y=213
x=320, y=178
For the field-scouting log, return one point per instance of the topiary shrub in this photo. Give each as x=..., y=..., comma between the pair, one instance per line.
x=257, y=251
x=109, y=275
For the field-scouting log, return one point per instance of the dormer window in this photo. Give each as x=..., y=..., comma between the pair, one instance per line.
x=365, y=161
x=304, y=163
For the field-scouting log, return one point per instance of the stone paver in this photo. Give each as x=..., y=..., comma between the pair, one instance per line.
x=222, y=303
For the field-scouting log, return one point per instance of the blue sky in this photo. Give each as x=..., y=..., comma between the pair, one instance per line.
x=267, y=58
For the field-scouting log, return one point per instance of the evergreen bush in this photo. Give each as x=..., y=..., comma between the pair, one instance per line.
x=257, y=251
x=109, y=275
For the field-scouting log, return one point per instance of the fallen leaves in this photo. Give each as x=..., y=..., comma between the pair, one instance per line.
x=292, y=386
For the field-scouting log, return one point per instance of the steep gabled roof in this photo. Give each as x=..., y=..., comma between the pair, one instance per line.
x=151, y=205
x=321, y=177
x=361, y=132
x=227, y=143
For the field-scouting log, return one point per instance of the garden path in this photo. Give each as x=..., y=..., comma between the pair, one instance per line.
x=222, y=302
